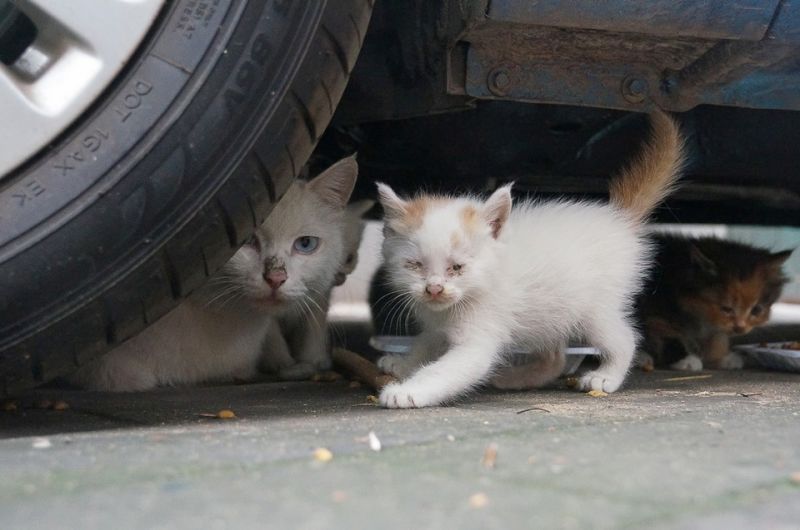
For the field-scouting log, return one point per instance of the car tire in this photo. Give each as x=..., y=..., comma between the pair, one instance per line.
x=170, y=171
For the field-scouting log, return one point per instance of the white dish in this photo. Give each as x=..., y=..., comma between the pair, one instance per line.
x=402, y=344
x=773, y=355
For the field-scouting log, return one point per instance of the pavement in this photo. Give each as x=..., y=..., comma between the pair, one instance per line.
x=668, y=451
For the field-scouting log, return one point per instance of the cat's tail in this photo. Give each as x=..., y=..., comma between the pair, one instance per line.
x=652, y=175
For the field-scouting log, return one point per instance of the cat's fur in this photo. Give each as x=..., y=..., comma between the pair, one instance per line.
x=222, y=331
x=700, y=293
x=483, y=276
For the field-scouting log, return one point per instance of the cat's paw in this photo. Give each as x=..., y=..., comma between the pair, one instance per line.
x=403, y=396
x=600, y=380
x=690, y=363
x=297, y=372
x=644, y=361
x=732, y=361
x=399, y=366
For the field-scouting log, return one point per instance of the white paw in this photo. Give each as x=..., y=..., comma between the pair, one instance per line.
x=399, y=366
x=403, y=396
x=600, y=380
x=733, y=361
x=690, y=363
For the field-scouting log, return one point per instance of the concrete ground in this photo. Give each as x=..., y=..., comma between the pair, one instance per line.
x=720, y=451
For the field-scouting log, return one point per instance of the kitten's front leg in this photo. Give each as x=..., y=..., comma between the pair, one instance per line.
x=719, y=355
x=465, y=365
x=275, y=355
x=310, y=346
x=427, y=346
x=692, y=362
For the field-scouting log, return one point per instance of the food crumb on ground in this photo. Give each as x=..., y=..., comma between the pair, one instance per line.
x=42, y=404
x=597, y=393
x=322, y=454
x=478, y=500
x=326, y=377
x=372, y=399
x=489, y=456
x=60, y=405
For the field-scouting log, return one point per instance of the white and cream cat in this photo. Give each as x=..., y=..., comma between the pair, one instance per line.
x=266, y=308
x=483, y=275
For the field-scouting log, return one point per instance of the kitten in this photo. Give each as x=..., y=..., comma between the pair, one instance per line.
x=701, y=292
x=300, y=330
x=484, y=276
x=219, y=333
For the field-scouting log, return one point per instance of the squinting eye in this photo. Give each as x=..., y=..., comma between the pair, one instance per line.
x=456, y=267
x=757, y=310
x=728, y=310
x=306, y=244
x=413, y=265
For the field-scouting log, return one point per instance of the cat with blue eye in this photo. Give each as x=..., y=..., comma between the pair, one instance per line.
x=264, y=311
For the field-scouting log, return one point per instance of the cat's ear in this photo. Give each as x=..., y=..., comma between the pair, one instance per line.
x=779, y=258
x=335, y=184
x=393, y=205
x=359, y=208
x=497, y=209
x=702, y=262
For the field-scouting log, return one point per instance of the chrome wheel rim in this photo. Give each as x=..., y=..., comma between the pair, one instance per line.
x=51, y=74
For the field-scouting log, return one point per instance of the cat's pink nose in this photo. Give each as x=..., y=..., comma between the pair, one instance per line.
x=434, y=289
x=275, y=278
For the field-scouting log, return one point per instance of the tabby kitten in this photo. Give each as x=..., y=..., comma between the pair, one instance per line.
x=700, y=293
x=283, y=276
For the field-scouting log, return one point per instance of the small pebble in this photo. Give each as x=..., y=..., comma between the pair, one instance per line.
x=478, y=500
x=597, y=393
x=322, y=455
x=374, y=442
x=451, y=438
x=41, y=443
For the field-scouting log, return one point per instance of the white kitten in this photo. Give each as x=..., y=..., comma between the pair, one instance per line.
x=285, y=272
x=483, y=276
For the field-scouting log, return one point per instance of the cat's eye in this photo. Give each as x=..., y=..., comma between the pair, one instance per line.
x=728, y=310
x=306, y=244
x=757, y=310
x=413, y=265
x=456, y=268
